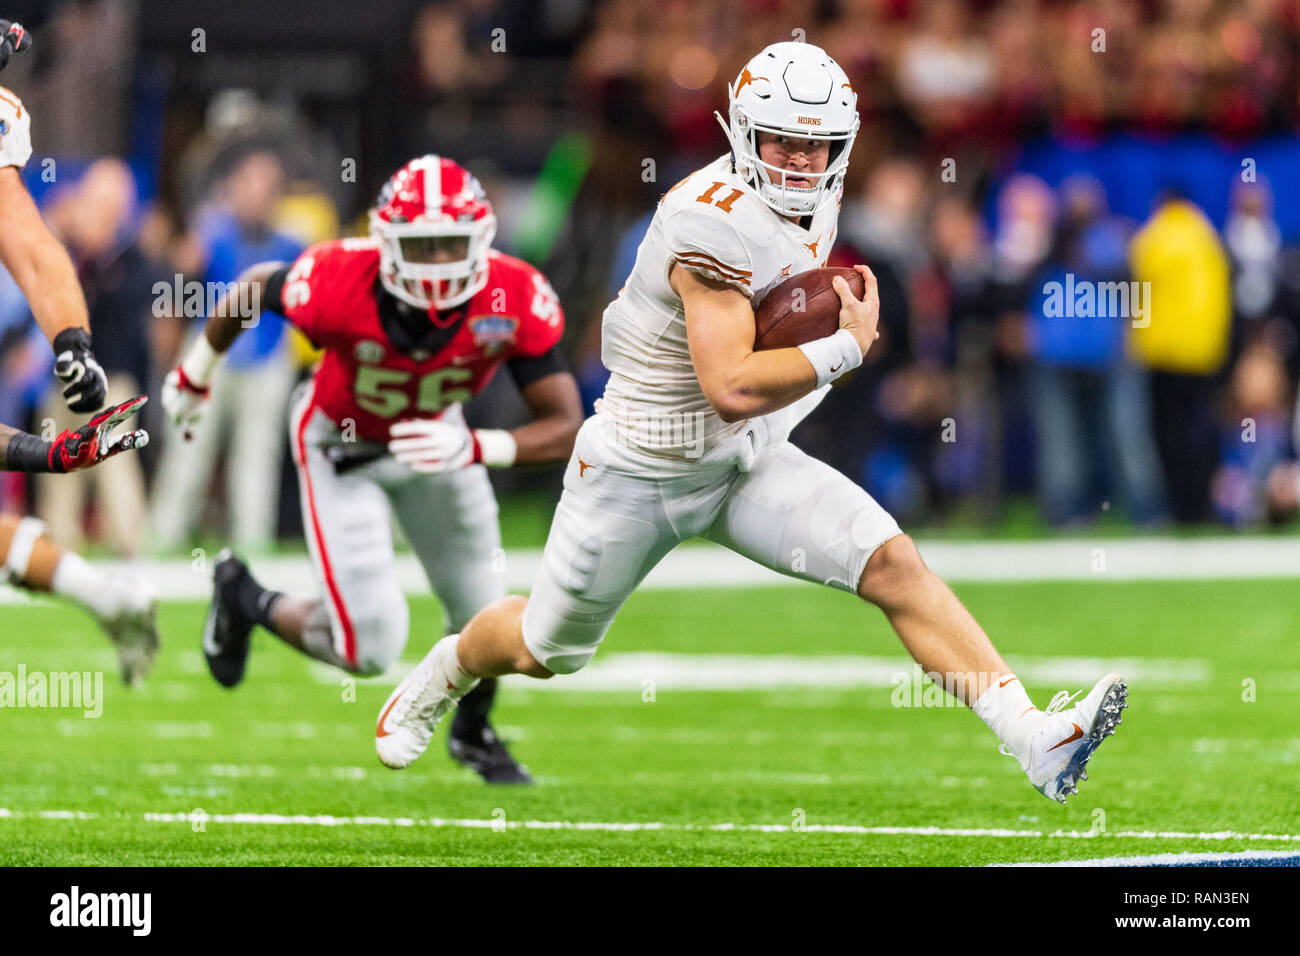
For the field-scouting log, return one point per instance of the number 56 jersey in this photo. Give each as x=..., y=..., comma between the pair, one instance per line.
x=714, y=224
x=384, y=362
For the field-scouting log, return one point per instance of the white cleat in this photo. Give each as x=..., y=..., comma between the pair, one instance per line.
x=415, y=706
x=133, y=628
x=1065, y=740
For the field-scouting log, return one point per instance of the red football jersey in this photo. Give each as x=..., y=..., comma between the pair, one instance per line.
x=331, y=294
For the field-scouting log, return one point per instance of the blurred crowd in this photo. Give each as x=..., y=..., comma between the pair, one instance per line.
x=1008, y=151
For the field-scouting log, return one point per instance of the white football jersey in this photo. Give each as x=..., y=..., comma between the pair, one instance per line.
x=712, y=223
x=15, y=131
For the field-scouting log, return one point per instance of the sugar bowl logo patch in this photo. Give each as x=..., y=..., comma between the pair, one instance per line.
x=4, y=128
x=493, y=333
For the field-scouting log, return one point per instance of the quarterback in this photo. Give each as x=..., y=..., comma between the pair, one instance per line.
x=414, y=321
x=125, y=607
x=678, y=342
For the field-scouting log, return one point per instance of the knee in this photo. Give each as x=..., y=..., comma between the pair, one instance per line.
x=893, y=571
x=379, y=643
x=528, y=665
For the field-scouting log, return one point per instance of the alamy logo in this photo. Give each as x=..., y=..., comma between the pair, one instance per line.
x=74, y=908
x=82, y=690
x=1085, y=299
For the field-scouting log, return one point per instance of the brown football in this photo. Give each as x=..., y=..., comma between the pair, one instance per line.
x=802, y=308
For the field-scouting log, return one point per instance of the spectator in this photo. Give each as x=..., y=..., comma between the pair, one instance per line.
x=250, y=394
x=1178, y=257
x=1091, y=404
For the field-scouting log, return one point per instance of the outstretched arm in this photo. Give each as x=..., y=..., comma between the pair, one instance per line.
x=37, y=261
x=73, y=449
x=40, y=266
x=186, y=387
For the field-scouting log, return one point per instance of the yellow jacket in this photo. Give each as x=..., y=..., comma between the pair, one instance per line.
x=1189, y=306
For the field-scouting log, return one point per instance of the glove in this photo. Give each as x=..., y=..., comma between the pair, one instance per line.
x=13, y=39
x=93, y=442
x=433, y=447
x=184, y=401
x=75, y=367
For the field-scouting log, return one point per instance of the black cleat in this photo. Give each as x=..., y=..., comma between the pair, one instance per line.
x=484, y=753
x=225, y=634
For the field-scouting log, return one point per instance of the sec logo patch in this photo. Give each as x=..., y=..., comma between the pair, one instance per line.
x=368, y=351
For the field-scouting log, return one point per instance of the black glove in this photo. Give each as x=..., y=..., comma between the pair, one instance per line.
x=13, y=39
x=75, y=367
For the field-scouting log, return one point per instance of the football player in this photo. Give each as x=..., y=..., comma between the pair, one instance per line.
x=414, y=321
x=125, y=607
x=715, y=461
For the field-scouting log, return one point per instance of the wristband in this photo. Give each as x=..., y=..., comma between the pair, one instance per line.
x=28, y=453
x=71, y=339
x=494, y=447
x=200, y=362
x=833, y=355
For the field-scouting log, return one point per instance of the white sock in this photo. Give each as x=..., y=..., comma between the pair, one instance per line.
x=449, y=664
x=76, y=579
x=1009, y=713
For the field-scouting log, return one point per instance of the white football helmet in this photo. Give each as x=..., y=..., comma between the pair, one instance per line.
x=796, y=89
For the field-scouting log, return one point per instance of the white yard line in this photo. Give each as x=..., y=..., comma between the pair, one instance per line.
x=325, y=820
x=1171, y=859
x=707, y=565
x=637, y=672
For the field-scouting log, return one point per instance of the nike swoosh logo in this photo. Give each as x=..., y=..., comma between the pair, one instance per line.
x=838, y=367
x=379, y=730
x=1004, y=683
x=1078, y=732
x=209, y=637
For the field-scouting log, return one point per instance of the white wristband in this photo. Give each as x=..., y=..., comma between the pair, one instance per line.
x=497, y=447
x=201, y=361
x=833, y=355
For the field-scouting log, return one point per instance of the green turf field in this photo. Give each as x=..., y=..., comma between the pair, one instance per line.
x=184, y=772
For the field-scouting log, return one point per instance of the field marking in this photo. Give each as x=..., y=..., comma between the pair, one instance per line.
x=327, y=820
x=1175, y=859
x=709, y=565
x=630, y=671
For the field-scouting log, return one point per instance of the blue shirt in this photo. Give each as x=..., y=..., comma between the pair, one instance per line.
x=230, y=252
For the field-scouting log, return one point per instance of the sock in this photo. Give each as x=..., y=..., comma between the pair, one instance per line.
x=445, y=653
x=256, y=601
x=75, y=579
x=1009, y=713
x=472, y=715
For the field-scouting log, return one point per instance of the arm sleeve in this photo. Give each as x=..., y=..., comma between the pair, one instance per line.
x=704, y=240
x=15, y=131
x=526, y=369
x=273, y=294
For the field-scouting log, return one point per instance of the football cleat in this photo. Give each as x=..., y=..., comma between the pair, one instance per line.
x=413, y=709
x=1066, y=739
x=133, y=628
x=485, y=753
x=226, y=631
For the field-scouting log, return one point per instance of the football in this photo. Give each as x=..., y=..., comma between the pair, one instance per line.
x=802, y=308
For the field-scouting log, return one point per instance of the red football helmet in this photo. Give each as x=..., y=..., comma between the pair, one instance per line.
x=435, y=227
